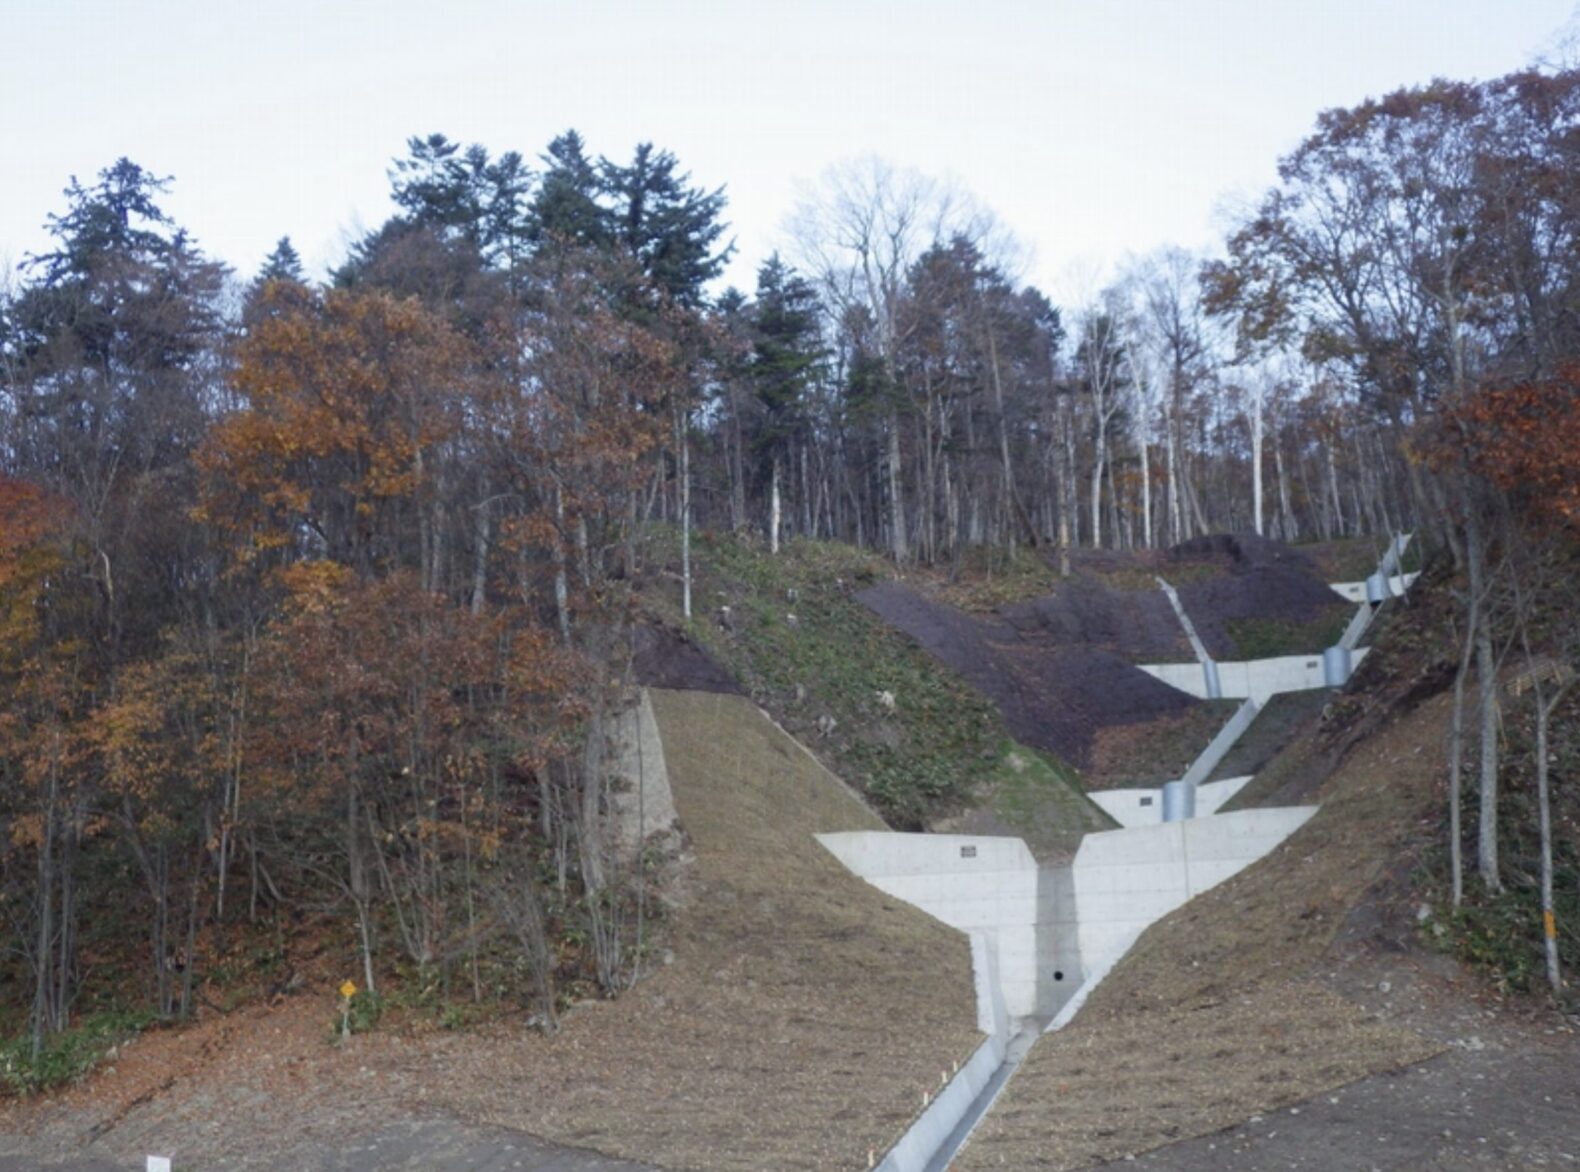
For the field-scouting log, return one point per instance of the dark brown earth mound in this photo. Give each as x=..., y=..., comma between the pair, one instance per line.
x=1052, y=697
x=664, y=658
x=1222, y=579
x=1136, y=625
x=1060, y=668
x=1265, y=580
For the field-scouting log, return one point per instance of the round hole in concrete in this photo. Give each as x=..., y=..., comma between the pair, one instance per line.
x=1058, y=974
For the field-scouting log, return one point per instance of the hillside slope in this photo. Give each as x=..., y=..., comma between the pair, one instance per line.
x=1225, y=1009
x=927, y=749
x=799, y=1014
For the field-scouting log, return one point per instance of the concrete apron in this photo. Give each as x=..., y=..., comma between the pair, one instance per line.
x=1043, y=937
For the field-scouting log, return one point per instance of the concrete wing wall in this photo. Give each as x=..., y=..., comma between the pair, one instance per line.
x=1144, y=807
x=1255, y=679
x=1126, y=879
x=1131, y=807
x=980, y=884
x=1211, y=795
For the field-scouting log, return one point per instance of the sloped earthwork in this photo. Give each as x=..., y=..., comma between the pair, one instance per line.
x=1052, y=695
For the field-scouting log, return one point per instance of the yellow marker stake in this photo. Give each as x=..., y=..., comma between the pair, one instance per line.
x=1550, y=925
x=348, y=990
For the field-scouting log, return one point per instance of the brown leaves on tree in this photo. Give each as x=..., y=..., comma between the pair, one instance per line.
x=1525, y=438
x=346, y=394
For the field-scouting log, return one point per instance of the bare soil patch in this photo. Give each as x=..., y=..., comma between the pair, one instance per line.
x=801, y=1016
x=1052, y=696
x=665, y=658
x=1157, y=751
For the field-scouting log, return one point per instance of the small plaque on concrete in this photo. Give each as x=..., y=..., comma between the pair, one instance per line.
x=968, y=852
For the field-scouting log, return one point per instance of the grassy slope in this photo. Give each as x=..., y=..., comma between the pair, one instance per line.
x=1264, y=638
x=940, y=754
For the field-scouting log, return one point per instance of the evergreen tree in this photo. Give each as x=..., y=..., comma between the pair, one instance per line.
x=116, y=332
x=566, y=207
x=283, y=264
x=672, y=229
x=787, y=355
x=440, y=186
x=124, y=294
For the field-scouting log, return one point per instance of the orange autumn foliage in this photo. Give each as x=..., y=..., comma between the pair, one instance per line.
x=345, y=393
x=1525, y=438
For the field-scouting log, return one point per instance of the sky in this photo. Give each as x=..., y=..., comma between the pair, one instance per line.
x=1094, y=129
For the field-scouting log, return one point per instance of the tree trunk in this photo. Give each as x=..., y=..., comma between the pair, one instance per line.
x=1486, y=689
x=1256, y=460
x=898, y=541
x=562, y=607
x=1544, y=711
x=1289, y=530
x=1456, y=753
x=685, y=515
x=774, y=507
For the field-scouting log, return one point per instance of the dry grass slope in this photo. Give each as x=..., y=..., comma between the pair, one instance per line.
x=804, y=1011
x=1221, y=1011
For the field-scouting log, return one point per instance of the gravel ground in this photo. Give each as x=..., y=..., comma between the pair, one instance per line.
x=429, y=1145
x=1505, y=1092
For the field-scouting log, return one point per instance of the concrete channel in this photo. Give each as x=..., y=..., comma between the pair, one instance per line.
x=1042, y=938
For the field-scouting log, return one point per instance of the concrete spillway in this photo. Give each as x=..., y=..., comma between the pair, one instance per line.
x=1039, y=932
x=1043, y=937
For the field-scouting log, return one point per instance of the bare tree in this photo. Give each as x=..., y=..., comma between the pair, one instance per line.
x=857, y=234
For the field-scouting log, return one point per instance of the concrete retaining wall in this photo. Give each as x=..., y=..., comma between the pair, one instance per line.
x=1144, y=807
x=1256, y=679
x=1356, y=591
x=632, y=759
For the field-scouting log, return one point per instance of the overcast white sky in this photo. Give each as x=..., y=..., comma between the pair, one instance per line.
x=1092, y=127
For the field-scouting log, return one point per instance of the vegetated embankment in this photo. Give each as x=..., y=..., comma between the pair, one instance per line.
x=791, y=1022
x=923, y=746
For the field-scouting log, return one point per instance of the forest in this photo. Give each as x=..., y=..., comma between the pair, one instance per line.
x=311, y=591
